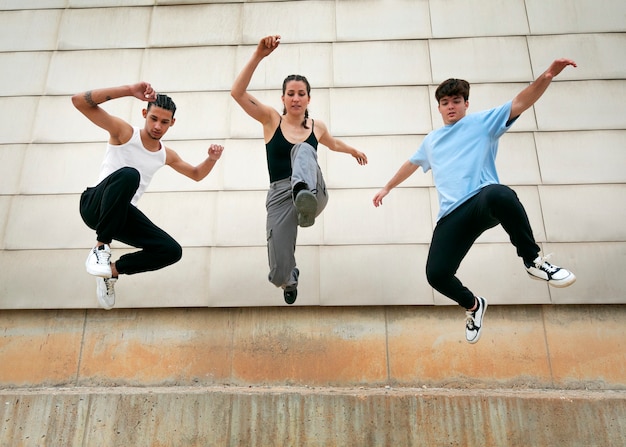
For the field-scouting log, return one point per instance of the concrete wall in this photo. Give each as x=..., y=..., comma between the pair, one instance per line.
x=374, y=66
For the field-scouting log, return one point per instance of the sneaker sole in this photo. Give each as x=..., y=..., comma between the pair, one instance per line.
x=568, y=281
x=103, y=273
x=306, y=204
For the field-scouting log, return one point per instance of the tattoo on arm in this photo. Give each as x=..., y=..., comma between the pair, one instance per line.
x=89, y=100
x=253, y=102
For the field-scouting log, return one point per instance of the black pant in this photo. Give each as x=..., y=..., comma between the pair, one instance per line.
x=106, y=208
x=455, y=234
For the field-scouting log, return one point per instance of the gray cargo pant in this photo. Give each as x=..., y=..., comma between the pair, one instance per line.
x=282, y=217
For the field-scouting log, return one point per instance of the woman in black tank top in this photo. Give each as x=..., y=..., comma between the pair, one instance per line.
x=297, y=191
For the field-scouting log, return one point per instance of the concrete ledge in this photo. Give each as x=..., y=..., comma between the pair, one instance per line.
x=301, y=416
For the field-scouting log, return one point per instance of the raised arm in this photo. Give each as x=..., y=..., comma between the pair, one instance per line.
x=405, y=171
x=239, y=92
x=88, y=104
x=527, y=97
x=198, y=172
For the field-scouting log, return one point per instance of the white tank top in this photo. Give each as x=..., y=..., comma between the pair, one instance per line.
x=134, y=155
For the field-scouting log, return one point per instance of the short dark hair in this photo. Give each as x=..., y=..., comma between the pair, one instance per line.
x=165, y=102
x=453, y=87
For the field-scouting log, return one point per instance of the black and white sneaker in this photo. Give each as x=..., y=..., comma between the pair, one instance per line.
x=474, y=321
x=541, y=270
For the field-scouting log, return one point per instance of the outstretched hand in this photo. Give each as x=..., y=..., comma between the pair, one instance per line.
x=361, y=158
x=215, y=152
x=143, y=91
x=267, y=45
x=558, y=66
x=378, y=198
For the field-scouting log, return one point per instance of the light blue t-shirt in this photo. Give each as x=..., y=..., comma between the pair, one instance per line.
x=463, y=155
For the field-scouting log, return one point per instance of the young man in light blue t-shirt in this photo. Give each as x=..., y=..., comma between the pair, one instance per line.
x=471, y=199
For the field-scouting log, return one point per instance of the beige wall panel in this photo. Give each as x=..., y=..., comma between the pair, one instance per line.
x=351, y=218
x=383, y=63
x=29, y=30
x=33, y=4
x=462, y=18
x=594, y=53
x=110, y=3
x=189, y=217
x=195, y=25
x=494, y=271
x=239, y=218
x=376, y=20
x=517, y=159
x=190, y=69
x=584, y=213
x=582, y=157
x=264, y=18
x=599, y=269
x=24, y=73
x=12, y=162
x=487, y=96
x=241, y=125
x=57, y=120
x=20, y=130
x=488, y=59
x=61, y=281
x=76, y=71
x=193, y=152
x=312, y=60
x=244, y=165
x=184, y=284
x=582, y=105
x=373, y=275
x=385, y=155
x=367, y=111
x=582, y=16
x=238, y=277
x=5, y=206
x=60, y=168
x=199, y=116
x=46, y=222
x=114, y=28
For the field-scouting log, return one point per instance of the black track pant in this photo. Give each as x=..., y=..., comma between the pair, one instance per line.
x=106, y=208
x=455, y=234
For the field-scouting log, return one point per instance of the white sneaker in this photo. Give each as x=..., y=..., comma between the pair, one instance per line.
x=106, y=292
x=542, y=270
x=98, y=261
x=474, y=320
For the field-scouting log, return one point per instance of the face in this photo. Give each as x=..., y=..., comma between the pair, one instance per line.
x=296, y=99
x=158, y=122
x=452, y=108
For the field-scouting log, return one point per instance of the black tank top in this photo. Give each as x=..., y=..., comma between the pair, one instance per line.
x=278, y=151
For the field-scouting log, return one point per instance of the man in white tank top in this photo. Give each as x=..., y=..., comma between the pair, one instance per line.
x=132, y=157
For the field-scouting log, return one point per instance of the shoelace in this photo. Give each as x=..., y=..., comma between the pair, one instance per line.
x=110, y=286
x=103, y=256
x=544, y=265
x=469, y=319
